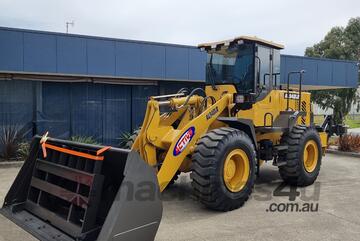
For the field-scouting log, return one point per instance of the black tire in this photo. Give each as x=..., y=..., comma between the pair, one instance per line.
x=294, y=172
x=207, y=168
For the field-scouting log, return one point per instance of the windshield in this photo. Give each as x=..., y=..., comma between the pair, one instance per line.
x=232, y=66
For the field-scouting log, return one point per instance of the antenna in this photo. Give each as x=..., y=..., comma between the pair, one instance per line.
x=72, y=23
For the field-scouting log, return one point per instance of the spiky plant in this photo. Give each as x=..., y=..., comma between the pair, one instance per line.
x=10, y=137
x=127, y=139
x=124, y=139
x=23, y=150
x=84, y=139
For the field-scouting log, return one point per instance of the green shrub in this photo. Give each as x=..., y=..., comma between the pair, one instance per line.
x=127, y=139
x=23, y=150
x=124, y=139
x=85, y=140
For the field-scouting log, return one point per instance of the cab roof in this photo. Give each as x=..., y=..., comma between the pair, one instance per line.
x=214, y=45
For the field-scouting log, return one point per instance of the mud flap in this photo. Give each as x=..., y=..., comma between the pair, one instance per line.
x=73, y=193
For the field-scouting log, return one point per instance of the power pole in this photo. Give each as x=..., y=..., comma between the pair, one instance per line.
x=72, y=23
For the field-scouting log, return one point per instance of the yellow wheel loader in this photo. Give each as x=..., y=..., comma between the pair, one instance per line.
x=221, y=134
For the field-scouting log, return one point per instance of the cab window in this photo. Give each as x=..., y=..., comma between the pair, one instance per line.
x=263, y=54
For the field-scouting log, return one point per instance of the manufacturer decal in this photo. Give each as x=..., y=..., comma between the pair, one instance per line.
x=292, y=96
x=212, y=113
x=183, y=141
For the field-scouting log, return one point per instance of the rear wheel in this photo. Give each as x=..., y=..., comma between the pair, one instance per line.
x=303, y=157
x=223, y=169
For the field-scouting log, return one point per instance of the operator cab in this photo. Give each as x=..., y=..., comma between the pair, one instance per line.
x=249, y=63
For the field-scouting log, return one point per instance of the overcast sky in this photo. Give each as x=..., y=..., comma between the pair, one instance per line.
x=294, y=23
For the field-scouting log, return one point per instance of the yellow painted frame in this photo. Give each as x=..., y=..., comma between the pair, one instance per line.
x=158, y=132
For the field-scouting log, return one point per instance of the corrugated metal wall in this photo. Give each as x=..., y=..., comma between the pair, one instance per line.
x=44, y=52
x=105, y=110
x=102, y=111
x=320, y=72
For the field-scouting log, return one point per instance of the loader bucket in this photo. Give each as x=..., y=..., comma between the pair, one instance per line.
x=67, y=191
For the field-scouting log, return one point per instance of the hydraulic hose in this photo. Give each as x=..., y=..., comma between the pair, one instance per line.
x=190, y=95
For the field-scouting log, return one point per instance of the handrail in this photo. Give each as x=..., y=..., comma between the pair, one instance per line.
x=301, y=73
x=265, y=119
x=274, y=74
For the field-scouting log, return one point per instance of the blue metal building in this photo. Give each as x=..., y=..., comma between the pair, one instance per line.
x=92, y=86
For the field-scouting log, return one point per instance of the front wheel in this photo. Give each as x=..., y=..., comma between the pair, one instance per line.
x=223, y=169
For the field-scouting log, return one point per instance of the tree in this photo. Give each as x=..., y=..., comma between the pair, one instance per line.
x=339, y=43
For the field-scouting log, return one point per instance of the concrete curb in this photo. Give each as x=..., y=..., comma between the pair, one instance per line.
x=343, y=153
x=11, y=164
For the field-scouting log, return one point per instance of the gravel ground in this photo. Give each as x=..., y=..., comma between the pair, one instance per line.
x=337, y=217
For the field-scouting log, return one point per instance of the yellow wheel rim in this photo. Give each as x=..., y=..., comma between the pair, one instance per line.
x=236, y=170
x=311, y=156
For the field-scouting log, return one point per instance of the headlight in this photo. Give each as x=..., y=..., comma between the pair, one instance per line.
x=239, y=99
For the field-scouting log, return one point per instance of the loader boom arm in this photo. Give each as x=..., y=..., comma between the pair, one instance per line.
x=158, y=133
